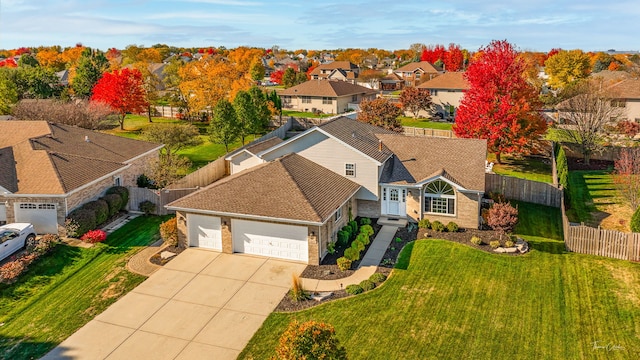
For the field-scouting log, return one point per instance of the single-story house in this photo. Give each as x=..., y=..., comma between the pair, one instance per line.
x=342, y=166
x=327, y=96
x=48, y=170
x=447, y=91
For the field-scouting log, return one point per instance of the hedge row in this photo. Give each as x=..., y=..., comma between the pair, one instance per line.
x=94, y=213
x=352, y=253
x=562, y=169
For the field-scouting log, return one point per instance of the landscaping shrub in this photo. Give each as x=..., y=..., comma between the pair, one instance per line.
x=94, y=236
x=101, y=209
x=354, y=289
x=562, y=170
x=115, y=203
x=367, y=285
x=424, y=224
x=365, y=221
x=635, y=221
x=80, y=221
x=497, y=197
x=494, y=244
x=358, y=245
x=11, y=270
x=378, y=278
x=297, y=293
x=503, y=217
x=331, y=248
x=343, y=263
x=354, y=227
x=352, y=254
x=147, y=207
x=629, y=128
x=364, y=238
x=124, y=195
x=398, y=240
x=437, y=226
x=309, y=340
x=343, y=237
x=348, y=230
x=452, y=227
x=366, y=229
x=476, y=240
x=509, y=243
x=143, y=181
x=169, y=231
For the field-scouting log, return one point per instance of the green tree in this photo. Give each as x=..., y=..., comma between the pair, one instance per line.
x=246, y=113
x=166, y=170
x=261, y=106
x=8, y=95
x=289, y=78
x=567, y=67
x=310, y=340
x=224, y=127
x=301, y=77
x=276, y=104
x=35, y=82
x=28, y=60
x=257, y=70
x=174, y=137
x=91, y=65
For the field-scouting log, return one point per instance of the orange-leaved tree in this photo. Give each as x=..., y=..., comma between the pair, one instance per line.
x=123, y=90
x=500, y=105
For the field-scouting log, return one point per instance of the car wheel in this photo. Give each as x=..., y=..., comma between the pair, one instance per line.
x=30, y=241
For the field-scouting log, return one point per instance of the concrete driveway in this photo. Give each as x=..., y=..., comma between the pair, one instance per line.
x=201, y=305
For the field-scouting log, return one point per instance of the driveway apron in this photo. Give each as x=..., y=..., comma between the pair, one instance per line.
x=201, y=305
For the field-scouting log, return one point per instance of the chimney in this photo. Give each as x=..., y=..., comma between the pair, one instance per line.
x=86, y=138
x=380, y=145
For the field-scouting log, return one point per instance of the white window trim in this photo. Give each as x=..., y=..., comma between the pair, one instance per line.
x=346, y=170
x=338, y=214
x=427, y=196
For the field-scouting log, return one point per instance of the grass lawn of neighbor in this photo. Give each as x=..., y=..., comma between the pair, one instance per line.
x=446, y=300
x=425, y=123
x=525, y=167
x=68, y=287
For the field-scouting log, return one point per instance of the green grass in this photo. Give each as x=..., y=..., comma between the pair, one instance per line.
x=525, y=167
x=456, y=302
x=68, y=287
x=303, y=114
x=425, y=123
x=589, y=191
x=538, y=220
x=206, y=152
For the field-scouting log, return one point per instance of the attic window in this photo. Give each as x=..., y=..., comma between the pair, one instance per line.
x=350, y=170
x=439, y=198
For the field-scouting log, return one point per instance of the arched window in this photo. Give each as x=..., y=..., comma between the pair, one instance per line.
x=439, y=198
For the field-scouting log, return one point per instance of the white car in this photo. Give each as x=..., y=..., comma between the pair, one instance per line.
x=14, y=237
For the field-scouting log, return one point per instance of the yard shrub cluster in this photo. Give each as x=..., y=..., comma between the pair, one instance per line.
x=494, y=244
x=365, y=221
x=309, y=340
x=354, y=289
x=297, y=293
x=147, y=207
x=358, y=244
x=562, y=170
x=378, y=278
x=169, y=231
x=94, y=236
x=367, y=285
x=452, y=227
x=343, y=263
x=11, y=270
x=438, y=226
x=476, y=240
x=94, y=213
x=424, y=224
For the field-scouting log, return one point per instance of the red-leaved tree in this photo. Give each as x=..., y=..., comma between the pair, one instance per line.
x=433, y=53
x=276, y=76
x=500, y=106
x=123, y=90
x=453, y=58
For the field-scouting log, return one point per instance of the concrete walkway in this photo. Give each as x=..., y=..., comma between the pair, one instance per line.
x=367, y=267
x=201, y=305
x=140, y=264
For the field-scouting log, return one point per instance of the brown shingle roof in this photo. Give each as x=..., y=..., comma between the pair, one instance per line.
x=361, y=136
x=291, y=187
x=425, y=66
x=263, y=145
x=626, y=89
x=421, y=158
x=450, y=80
x=8, y=176
x=328, y=88
x=344, y=65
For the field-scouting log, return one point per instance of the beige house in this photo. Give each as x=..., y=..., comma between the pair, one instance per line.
x=325, y=96
x=416, y=73
x=447, y=91
x=289, y=200
x=627, y=95
x=337, y=70
x=48, y=170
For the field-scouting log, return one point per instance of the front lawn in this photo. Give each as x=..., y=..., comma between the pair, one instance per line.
x=456, y=302
x=68, y=287
x=425, y=123
x=533, y=168
x=595, y=200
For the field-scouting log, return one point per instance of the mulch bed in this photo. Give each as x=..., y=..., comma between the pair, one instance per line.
x=158, y=260
x=328, y=270
x=464, y=237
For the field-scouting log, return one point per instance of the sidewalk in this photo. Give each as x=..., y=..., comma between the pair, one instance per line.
x=367, y=267
x=140, y=264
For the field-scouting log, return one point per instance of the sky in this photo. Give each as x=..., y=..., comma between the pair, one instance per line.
x=532, y=25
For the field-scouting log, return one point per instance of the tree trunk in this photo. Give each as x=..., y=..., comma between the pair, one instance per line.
x=587, y=159
x=149, y=113
x=122, y=121
x=498, y=158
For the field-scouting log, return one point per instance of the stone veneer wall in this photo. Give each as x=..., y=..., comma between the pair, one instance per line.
x=467, y=212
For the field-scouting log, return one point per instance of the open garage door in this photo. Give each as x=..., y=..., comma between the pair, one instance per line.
x=204, y=231
x=44, y=217
x=269, y=239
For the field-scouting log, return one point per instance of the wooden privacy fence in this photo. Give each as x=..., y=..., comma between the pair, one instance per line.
x=158, y=197
x=523, y=190
x=414, y=131
x=204, y=176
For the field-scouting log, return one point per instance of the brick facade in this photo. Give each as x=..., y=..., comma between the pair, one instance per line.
x=467, y=212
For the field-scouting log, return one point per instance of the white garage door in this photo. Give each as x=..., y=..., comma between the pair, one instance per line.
x=3, y=214
x=204, y=231
x=44, y=217
x=273, y=240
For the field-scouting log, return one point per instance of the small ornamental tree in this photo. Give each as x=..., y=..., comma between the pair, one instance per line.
x=380, y=112
x=309, y=340
x=123, y=90
x=414, y=100
x=627, y=175
x=503, y=217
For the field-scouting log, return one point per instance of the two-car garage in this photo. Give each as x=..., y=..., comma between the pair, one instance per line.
x=281, y=241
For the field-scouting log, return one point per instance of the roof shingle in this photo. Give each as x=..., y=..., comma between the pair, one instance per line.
x=329, y=88
x=361, y=136
x=450, y=80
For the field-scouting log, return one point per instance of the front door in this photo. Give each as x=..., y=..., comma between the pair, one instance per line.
x=394, y=201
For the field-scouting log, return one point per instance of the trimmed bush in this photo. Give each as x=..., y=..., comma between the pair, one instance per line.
x=352, y=254
x=424, y=224
x=509, y=243
x=364, y=238
x=100, y=207
x=354, y=227
x=367, y=285
x=81, y=221
x=476, y=240
x=365, y=221
x=377, y=278
x=366, y=229
x=358, y=245
x=635, y=221
x=331, y=248
x=147, y=207
x=94, y=236
x=348, y=229
x=343, y=237
x=124, y=195
x=115, y=203
x=437, y=226
x=310, y=340
x=452, y=227
x=494, y=244
x=343, y=263
x=169, y=231
x=354, y=289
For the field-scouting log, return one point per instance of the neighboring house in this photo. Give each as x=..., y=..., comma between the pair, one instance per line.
x=336, y=70
x=627, y=95
x=345, y=167
x=327, y=96
x=446, y=92
x=48, y=170
x=391, y=82
x=249, y=156
x=416, y=73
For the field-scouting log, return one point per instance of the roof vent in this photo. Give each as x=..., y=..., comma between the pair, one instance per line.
x=380, y=145
x=86, y=138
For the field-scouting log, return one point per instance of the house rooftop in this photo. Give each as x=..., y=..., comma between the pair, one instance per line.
x=626, y=89
x=328, y=88
x=359, y=135
x=449, y=80
x=425, y=66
